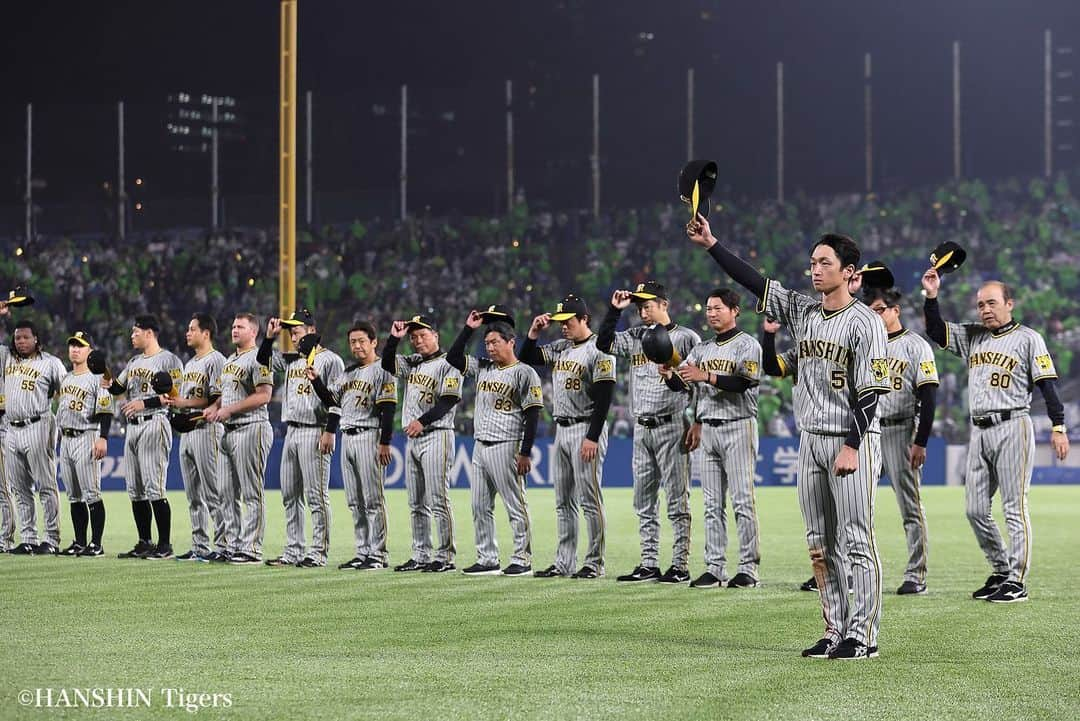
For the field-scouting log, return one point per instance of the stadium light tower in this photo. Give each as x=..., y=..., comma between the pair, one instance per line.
x=287, y=164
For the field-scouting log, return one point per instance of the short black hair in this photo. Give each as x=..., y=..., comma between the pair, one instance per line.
x=505, y=331
x=28, y=324
x=890, y=296
x=206, y=322
x=729, y=297
x=147, y=322
x=363, y=326
x=846, y=249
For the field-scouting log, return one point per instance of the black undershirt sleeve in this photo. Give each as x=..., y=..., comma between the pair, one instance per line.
x=531, y=353
x=386, y=421
x=770, y=362
x=389, y=357
x=266, y=351
x=739, y=270
x=601, y=394
x=456, y=355
x=606, y=337
x=104, y=424
x=862, y=414
x=116, y=389
x=733, y=384
x=935, y=325
x=927, y=405
x=441, y=408
x=532, y=418
x=1054, y=407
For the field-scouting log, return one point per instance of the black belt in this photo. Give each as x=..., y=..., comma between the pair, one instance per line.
x=487, y=444
x=237, y=426
x=25, y=422
x=654, y=421
x=714, y=422
x=136, y=420
x=571, y=421
x=992, y=419
x=75, y=432
x=293, y=424
x=355, y=431
x=886, y=422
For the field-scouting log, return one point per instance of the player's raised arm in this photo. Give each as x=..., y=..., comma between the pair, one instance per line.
x=935, y=324
x=740, y=271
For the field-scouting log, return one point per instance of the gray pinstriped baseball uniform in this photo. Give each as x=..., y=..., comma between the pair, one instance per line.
x=576, y=367
x=201, y=461
x=841, y=355
x=503, y=393
x=305, y=471
x=1003, y=367
x=359, y=391
x=659, y=459
x=30, y=446
x=7, y=499
x=80, y=401
x=148, y=437
x=911, y=366
x=429, y=457
x=729, y=442
x=246, y=447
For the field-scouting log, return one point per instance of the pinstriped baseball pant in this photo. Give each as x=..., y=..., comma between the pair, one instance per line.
x=246, y=449
x=146, y=457
x=305, y=478
x=729, y=455
x=495, y=471
x=1001, y=458
x=7, y=505
x=896, y=445
x=30, y=463
x=578, y=483
x=659, y=460
x=203, y=467
x=839, y=516
x=364, y=480
x=78, y=469
x=428, y=460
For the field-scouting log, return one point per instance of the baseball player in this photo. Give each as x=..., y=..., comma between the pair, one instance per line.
x=432, y=390
x=914, y=380
x=583, y=381
x=1005, y=360
x=508, y=404
x=200, y=449
x=362, y=401
x=148, y=439
x=725, y=371
x=238, y=400
x=843, y=367
x=84, y=415
x=32, y=378
x=660, y=458
x=7, y=499
x=305, y=456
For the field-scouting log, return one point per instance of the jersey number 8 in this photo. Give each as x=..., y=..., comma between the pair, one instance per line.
x=1000, y=380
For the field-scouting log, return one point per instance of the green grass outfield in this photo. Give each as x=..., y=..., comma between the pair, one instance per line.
x=329, y=644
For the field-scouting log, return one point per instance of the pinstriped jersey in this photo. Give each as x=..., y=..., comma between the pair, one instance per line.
x=30, y=383
x=199, y=374
x=4, y=354
x=358, y=392
x=299, y=403
x=502, y=395
x=911, y=366
x=81, y=399
x=575, y=367
x=239, y=378
x=426, y=380
x=1003, y=365
x=841, y=355
x=649, y=395
x=140, y=370
x=740, y=356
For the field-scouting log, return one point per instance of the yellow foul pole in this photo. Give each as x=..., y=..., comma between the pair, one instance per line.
x=287, y=165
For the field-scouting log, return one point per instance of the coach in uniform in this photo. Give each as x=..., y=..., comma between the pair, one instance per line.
x=1005, y=360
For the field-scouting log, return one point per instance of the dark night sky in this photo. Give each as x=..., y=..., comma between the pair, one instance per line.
x=73, y=60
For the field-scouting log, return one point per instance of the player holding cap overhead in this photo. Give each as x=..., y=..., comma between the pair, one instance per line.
x=148, y=439
x=583, y=381
x=842, y=370
x=432, y=391
x=1005, y=361
x=508, y=404
x=660, y=458
x=84, y=413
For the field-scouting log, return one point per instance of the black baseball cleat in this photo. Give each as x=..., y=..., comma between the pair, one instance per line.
x=674, y=575
x=93, y=550
x=851, y=649
x=24, y=549
x=551, y=571
x=243, y=559
x=742, y=580
x=705, y=580
x=279, y=562
x=372, y=564
x=909, y=588
x=191, y=556
x=73, y=550
x=809, y=585
x=587, y=572
x=163, y=551
x=352, y=564
x=516, y=569
x=479, y=569
x=992, y=584
x=310, y=562
x=139, y=551
x=217, y=557
x=640, y=574
x=1009, y=592
x=411, y=565
x=46, y=549
x=821, y=649
x=439, y=567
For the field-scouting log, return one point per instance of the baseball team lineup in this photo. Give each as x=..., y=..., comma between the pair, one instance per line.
x=864, y=397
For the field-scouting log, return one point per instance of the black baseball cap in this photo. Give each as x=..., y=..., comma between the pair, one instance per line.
x=649, y=290
x=947, y=257
x=703, y=174
x=496, y=313
x=82, y=338
x=147, y=322
x=876, y=274
x=421, y=321
x=571, y=306
x=20, y=296
x=299, y=317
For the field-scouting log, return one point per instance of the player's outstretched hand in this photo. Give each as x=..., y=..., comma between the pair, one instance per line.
x=131, y=408
x=693, y=437
x=273, y=327
x=539, y=323
x=1060, y=444
x=524, y=465
x=931, y=283
x=398, y=329
x=99, y=450
x=4, y=310
x=414, y=429
x=589, y=450
x=326, y=443
x=384, y=455
x=690, y=373
x=916, y=456
x=847, y=461
x=310, y=373
x=770, y=324
x=699, y=233
x=621, y=299
x=475, y=320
